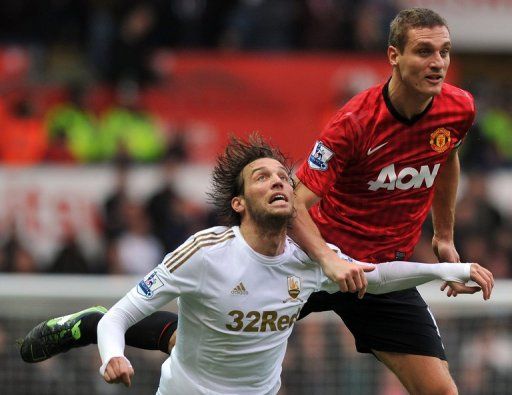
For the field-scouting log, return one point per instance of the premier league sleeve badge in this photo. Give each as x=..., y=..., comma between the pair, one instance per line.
x=319, y=157
x=149, y=285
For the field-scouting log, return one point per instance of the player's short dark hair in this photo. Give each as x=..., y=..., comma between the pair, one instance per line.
x=227, y=180
x=412, y=18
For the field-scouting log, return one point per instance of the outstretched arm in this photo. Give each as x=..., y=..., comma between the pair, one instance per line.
x=395, y=276
x=349, y=277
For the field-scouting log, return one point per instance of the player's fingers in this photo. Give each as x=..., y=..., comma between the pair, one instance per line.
x=443, y=287
x=110, y=374
x=364, y=282
x=343, y=285
x=351, y=284
x=125, y=378
x=488, y=278
x=483, y=282
x=484, y=278
x=358, y=280
x=486, y=289
x=368, y=268
x=473, y=289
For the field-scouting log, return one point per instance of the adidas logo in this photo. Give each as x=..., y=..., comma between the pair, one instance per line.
x=239, y=290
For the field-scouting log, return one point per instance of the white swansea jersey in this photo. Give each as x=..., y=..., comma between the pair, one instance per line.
x=237, y=310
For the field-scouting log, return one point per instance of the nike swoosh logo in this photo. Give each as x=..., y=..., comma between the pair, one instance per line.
x=372, y=150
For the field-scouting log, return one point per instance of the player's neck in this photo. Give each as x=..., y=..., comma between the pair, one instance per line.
x=269, y=242
x=404, y=100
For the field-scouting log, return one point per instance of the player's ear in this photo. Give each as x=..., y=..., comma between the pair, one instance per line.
x=238, y=204
x=393, y=54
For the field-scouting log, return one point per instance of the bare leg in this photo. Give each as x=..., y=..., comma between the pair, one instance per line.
x=420, y=375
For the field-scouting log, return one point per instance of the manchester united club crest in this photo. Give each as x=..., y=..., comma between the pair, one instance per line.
x=293, y=289
x=440, y=140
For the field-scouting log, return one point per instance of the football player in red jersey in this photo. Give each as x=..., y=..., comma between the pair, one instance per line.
x=386, y=158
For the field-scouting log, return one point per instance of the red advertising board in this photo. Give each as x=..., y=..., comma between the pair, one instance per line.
x=285, y=97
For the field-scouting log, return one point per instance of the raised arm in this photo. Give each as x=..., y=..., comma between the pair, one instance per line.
x=349, y=277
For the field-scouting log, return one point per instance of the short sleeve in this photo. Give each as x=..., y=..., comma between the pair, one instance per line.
x=330, y=155
x=470, y=119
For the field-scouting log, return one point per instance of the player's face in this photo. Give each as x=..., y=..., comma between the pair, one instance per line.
x=268, y=192
x=425, y=60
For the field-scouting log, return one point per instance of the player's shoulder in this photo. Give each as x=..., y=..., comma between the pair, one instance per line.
x=297, y=252
x=206, y=240
x=212, y=237
x=197, y=246
x=457, y=96
x=362, y=105
x=303, y=257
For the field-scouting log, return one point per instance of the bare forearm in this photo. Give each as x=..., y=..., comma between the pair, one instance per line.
x=306, y=234
x=443, y=206
x=348, y=276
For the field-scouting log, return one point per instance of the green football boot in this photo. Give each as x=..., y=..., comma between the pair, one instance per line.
x=54, y=336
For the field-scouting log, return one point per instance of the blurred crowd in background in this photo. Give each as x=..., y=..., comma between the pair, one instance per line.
x=59, y=112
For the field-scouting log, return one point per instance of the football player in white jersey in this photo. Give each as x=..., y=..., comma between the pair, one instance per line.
x=241, y=288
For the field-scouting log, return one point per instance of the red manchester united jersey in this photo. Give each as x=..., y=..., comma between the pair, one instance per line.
x=375, y=170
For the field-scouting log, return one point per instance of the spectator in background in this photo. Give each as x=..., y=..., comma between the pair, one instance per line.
x=133, y=46
x=478, y=224
x=58, y=148
x=263, y=25
x=114, y=223
x=478, y=153
x=194, y=24
x=127, y=130
x=23, y=139
x=14, y=256
x=486, y=360
x=100, y=33
x=136, y=250
x=496, y=125
x=474, y=211
x=490, y=146
x=371, y=24
x=327, y=25
x=165, y=207
x=70, y=258
x=72, y=130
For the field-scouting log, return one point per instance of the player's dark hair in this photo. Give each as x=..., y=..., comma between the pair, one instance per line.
x=412, y=18
x=227, y=179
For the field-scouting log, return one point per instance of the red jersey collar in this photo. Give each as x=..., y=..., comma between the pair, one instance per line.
x=399, y=117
